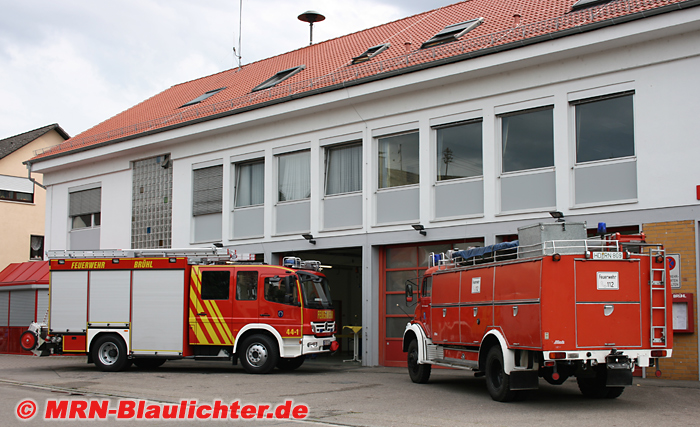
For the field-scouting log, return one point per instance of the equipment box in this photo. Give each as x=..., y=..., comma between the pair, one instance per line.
x=549, y=238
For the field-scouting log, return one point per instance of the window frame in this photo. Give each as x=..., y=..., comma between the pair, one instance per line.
x=198, y=211
x=219, y=297
x=327, y=150
x=378, y=139
x=250, y=286
x=13, y=196
x=573, y=104
x=236, y=180
x=438, y=156
x=95, y=216
x=278, y=157
x=452, y=32
x=278, y=78
x=500, y=117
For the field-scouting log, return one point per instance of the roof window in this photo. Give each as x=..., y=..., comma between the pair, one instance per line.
x=278, y=78
x=370, y=53
x=452, y=32
x=201, y=98
x=582, y=4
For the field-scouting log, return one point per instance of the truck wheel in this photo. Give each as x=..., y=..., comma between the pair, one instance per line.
x=497, y=381
x=285, y=364
x=148, y=363
x=258, y=354
x=594, y=387
x=109, y=353
x=419, y=373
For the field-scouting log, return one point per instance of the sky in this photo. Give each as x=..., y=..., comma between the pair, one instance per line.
x=79, y=62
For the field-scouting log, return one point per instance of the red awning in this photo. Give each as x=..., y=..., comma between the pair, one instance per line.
x=25, y=273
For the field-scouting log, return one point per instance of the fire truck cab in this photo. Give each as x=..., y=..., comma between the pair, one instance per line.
x=554, y=304
x=148, y=306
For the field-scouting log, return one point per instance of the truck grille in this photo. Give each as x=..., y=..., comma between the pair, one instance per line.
x=322, y=327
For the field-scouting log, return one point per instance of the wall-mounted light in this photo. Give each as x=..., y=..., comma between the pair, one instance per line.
x=310, y=238
x=557, y=215
x=419, y=228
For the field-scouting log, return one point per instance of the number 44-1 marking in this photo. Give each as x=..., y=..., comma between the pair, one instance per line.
x=292, y=332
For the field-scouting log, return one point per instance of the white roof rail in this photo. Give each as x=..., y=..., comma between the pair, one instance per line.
x=194, y=255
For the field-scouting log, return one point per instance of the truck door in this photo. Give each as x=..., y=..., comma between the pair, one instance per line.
x=210, y=306
x=280, y=305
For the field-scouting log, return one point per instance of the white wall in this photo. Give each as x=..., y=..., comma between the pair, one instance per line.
x=662, y=72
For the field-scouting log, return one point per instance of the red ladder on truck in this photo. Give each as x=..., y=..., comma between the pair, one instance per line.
x=657, y=288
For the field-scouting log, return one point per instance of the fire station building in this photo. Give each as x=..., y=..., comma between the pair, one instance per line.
x=450, y=128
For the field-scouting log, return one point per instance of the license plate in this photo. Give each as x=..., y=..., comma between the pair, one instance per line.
x=326, y=342
x=607, y=255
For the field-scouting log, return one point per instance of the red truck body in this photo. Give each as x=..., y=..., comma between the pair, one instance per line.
x=590, y=309
x=147, y=307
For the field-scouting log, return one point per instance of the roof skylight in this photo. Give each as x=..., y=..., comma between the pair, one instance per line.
x=278, y=78
x=452, y=32
x=201, y=98
x=370, y=53
x=582, y=4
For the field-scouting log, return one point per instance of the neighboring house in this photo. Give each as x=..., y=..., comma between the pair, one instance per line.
x=22, y=203
x=469, y=120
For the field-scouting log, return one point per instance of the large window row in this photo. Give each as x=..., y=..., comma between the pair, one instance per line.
x=604, y=168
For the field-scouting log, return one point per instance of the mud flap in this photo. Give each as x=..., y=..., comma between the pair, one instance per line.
x=524, y=380
x=619, y=371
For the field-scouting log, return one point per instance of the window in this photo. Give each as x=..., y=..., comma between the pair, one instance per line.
x=398, y=160
x=278, y=78
x=582, y=4
x=247, y=285
x=36, y=247
x=459, y=151
x=207, y=189
x=370, y=53
x=604, y=128
x=528, y=139
x=215, y=285
x=250, y=184
x=452, y=32
x=282, y=291
x=16, y=196
x=201, y=98
x=84, y=208
x=344, y=169
x=294, y=180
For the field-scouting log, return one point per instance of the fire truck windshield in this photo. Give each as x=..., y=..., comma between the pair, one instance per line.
x=315, y=290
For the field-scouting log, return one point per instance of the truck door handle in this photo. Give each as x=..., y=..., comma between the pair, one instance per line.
x=202, y=314
x=264, y=315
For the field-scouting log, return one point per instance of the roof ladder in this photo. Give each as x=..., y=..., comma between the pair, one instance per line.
x=657, y=289
x=194, y=255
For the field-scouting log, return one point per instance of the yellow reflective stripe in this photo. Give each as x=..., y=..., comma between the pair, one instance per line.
x=219, y=321
x=201, y=339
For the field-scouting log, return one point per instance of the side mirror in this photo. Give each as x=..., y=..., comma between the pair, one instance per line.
x=409, y=293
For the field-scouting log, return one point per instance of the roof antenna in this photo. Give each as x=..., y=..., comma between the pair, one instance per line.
x=237, y=54
x=311, y=16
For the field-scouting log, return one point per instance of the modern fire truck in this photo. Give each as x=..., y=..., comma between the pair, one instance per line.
x=553, y=304
x=148, y=306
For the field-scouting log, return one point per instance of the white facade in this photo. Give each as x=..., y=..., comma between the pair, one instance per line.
x=655, y=60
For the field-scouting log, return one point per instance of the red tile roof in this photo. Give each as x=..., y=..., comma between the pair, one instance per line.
x=25, y=273
x=328, y=64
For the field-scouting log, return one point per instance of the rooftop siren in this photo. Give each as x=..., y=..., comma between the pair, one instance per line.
x=311, y=16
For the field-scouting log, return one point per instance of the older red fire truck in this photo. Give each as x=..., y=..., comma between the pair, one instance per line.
x=553, y=304
x=149, y=306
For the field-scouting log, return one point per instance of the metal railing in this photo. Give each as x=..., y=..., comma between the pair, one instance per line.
x=572, y=20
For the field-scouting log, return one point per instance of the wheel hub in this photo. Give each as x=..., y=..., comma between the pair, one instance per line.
x=257, y=354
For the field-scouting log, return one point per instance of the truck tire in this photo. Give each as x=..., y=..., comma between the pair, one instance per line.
x=287, y=364
x=258, y=354
x=497, y=381
x=595, y=388
x=419, y=373
x=109, y=353
x=148, y=362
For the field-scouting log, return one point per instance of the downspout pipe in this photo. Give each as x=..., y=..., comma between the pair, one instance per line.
x=29, y=176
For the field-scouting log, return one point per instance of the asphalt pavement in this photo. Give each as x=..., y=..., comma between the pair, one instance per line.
x=336, y=394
